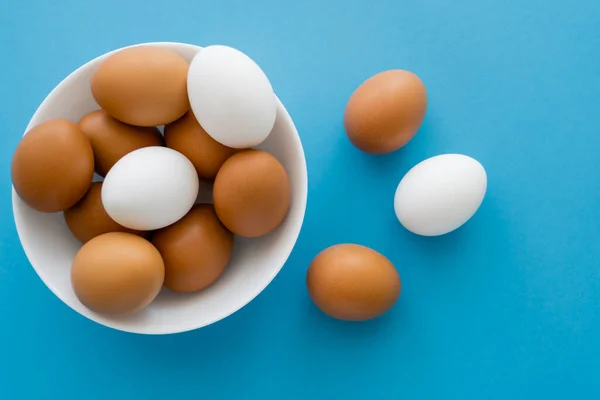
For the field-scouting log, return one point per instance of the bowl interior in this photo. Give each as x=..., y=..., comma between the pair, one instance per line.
x=51, y=247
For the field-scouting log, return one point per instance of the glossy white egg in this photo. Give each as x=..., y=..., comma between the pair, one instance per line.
x=231, y=97
x=440, y=194
x=150, y=188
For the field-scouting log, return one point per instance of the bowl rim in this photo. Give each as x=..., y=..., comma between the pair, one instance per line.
x=107, y=321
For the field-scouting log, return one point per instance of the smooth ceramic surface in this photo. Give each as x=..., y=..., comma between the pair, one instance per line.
x=50, y=246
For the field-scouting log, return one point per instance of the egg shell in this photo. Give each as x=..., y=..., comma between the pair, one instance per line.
x=231, y=97
x=440, y=194
x=150, y=188
x=117, y=273
x=188, y=137
x=252, y=193
x=385, y=111
x=196, y=249
x=142, y=85
x=53, y=166
x=88, y=218
x=112, y=139
x=353, y=282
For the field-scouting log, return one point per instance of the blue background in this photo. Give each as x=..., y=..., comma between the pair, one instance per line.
x=506, y=307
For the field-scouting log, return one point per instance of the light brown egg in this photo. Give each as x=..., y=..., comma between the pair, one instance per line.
x=53, y=166
x=88, y=218
x=189, y=138
x=386, y=111
x=112, y=139
x=117, y=273
x=352, y=282
x=143, y=86
x=251, y=193
x=196, y=249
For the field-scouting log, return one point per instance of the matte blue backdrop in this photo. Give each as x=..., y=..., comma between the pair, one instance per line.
x=506, y=307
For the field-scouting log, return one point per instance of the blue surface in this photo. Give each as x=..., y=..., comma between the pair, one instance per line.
x=506, y=307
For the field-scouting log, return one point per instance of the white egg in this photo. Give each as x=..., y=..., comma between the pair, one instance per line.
x=150, y=188
x=440, y=194
x=231, y=97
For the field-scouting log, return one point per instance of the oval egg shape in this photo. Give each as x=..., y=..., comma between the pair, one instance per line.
x=252, y=193
x=440, y=194
x=352, y=282
x=117, y=273
x=386, y=111
x=142, y=85
x=231, y=97
x=53, y=166
x=150, y=188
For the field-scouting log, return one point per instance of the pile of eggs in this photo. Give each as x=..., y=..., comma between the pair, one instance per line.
x=128, y=176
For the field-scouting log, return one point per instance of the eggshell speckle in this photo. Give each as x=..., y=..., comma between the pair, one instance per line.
x=440, y=194
x=231, y=97
x=150, y=188
x=352, y=282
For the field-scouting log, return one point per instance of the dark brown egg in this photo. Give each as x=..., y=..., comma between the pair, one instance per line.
x=196, y=249
x=53, y=166
x=352, y=282
x=117, y=273
x=251, y=193
x=143, y=86
x=189, y=138
x=386, y=111
x=88, y=219
x=112, y=139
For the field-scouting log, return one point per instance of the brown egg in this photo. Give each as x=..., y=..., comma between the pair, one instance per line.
x=53, y=166
x=251, y=193
x=386, y=111
x=112, y=139
x=187, y=137
x=143, y=86
x=88, y=219
x=196, y=249
x=117, y=273
x=352, y=282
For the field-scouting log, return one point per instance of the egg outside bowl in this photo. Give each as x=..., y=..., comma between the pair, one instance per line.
x=50, y=246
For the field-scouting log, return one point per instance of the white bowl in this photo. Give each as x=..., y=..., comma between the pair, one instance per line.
x=51, y=247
